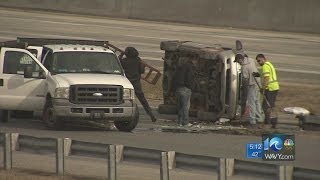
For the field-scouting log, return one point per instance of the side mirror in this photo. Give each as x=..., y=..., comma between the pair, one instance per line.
x=28, y=72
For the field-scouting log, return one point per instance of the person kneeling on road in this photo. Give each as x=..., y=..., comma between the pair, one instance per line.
x=133, y=69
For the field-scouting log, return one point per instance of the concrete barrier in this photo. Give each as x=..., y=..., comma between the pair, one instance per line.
x=114, y=8
x=283, y=15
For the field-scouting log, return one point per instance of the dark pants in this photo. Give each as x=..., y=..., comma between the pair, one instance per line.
x=140, y=95
x=271, y=96
x=183, y=95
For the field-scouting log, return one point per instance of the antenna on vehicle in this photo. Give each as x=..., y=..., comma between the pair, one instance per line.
x=239, y=47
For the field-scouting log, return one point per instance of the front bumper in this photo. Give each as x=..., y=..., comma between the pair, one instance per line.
x=69, y=111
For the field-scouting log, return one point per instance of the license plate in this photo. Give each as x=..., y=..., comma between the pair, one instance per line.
x=97, y=114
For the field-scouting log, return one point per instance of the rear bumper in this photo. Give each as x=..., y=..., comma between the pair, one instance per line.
x=69, y=111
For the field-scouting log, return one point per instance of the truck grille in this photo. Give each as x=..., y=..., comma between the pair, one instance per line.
x=96, y=94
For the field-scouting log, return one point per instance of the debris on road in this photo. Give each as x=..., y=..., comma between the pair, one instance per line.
x=296, y=111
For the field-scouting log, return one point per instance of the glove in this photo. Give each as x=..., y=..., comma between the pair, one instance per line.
x=255, y=74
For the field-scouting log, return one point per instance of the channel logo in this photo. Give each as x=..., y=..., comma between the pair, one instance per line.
x=278, y=147
x=275, y=144
x=288, y=144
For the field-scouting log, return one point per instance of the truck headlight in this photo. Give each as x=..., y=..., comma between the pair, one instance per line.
x=62, y=92
x=128, y=94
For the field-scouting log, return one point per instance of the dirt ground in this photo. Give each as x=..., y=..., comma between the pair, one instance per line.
x=290, y=95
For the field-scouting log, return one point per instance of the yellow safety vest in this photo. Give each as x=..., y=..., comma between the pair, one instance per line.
x=269, y=71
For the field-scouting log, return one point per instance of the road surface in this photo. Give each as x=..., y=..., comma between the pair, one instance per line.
x=209, y=144
x=295, y=55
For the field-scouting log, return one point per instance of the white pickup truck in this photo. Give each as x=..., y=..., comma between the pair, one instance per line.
x=67, y=80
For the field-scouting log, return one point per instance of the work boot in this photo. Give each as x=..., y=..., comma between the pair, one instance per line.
x=261, y=126
x=153, y=118
x=252, y=126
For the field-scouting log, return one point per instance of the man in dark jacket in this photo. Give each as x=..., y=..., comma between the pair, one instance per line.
x=133, y=69
x=182, y=83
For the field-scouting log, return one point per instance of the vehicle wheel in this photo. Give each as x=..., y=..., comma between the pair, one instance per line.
x=167, y=109
x=22, y=114
x=5, y=116
x=128, y=126
x=50, y=119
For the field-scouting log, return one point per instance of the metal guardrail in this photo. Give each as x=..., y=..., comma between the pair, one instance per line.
x=151, y=156
x=186, y=161
x=167, y=160
x=255, y=167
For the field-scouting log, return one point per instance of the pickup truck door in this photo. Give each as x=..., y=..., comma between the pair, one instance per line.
x=18, y=92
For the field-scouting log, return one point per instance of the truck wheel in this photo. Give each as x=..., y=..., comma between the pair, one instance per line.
x=128, y=126
x=5, y=116
x=49, y=117
x=167, y=109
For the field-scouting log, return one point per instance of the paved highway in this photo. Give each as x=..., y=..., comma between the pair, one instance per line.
x=147, y=135
x=295, y=55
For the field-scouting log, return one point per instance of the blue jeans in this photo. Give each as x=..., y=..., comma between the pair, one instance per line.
x=254, y=104
x=183, y=95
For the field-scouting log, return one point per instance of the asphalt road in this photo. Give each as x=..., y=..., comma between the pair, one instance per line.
x=210, y=144
x=295, y=55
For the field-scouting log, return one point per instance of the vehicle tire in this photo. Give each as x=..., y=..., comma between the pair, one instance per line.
x=128, y=126
x=22, y=114
x=5, y=116
x=49, y=117
x=167, y=109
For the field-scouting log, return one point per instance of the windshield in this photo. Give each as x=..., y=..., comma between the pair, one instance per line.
x=85, y=62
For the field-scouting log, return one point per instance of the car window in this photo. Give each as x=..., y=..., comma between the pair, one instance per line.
x=48, y=63
x=15, y=62
x=85, y=62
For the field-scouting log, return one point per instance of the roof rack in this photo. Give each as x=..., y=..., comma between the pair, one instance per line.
x=22, y=42
x=25, y=42
x=47, y=41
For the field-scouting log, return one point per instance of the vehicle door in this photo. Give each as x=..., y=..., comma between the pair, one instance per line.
x=36, y=51
x=23, y=80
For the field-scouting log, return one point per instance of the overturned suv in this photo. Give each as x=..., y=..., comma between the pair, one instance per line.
x=66, y=80
x=216, y=90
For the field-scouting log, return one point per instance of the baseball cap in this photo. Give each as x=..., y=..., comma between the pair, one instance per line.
x=238, y=57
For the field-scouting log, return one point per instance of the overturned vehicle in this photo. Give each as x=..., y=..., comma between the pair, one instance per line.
x=216, y=90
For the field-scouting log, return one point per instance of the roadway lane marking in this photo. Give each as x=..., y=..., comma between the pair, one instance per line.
x=153, y=37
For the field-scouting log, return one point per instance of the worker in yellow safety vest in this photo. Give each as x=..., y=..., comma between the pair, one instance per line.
x=270, y=86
